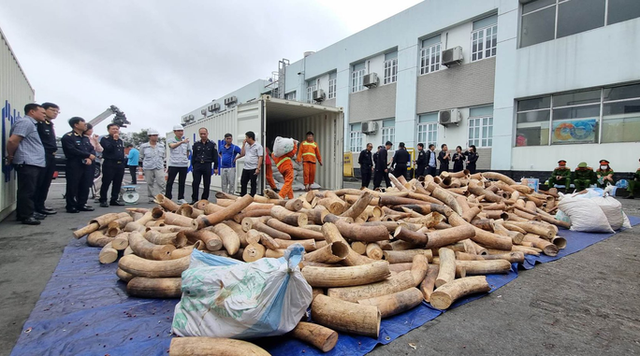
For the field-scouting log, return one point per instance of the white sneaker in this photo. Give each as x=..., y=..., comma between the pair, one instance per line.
x=181, y=201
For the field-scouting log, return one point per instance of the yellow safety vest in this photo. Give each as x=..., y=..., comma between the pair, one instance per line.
x=309, y=144
x=282, y=161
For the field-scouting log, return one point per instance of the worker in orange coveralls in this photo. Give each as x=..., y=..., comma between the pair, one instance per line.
x=309, y=154
x=285, y=166
x=268, y=171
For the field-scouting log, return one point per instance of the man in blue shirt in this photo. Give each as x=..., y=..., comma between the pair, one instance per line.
x=228, y=153
x=132, y=161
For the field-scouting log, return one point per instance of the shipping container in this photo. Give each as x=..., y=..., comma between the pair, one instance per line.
x=269, y=117
x=15, y=93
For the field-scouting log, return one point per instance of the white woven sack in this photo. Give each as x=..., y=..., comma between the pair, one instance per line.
x=282, y=146
x=585, y=215
x=612, y=209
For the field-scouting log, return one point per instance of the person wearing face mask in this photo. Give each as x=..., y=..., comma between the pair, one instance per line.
x=604, y=174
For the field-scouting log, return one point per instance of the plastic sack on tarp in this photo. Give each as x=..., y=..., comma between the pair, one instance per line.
x=282, y=146
x=227, y=298
x=584, y=213
x=612, y=209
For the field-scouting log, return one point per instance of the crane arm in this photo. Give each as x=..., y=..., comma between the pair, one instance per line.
x=120, y=119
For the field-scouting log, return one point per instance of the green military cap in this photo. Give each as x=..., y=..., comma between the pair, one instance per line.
x=582, y=165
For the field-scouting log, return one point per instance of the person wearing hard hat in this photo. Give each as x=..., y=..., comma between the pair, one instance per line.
x=178, y=163
x=152, y=154
x=584, y=177
x=561, y=175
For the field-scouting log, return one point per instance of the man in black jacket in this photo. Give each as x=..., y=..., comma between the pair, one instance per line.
x=432, y=166
x=48, y=138
x=79, y=166
x=113, y=163
x=421, y=161
x=400, y=160
x=382, y=170
x=204, y=154
x=366, y=165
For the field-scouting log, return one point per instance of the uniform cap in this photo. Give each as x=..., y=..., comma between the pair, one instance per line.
x=582, y=165
x=178, y=128
x=604, y=161
x=152, y=132
x=562, y=161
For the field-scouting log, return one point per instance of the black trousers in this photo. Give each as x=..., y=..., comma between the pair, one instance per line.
x=366, y=176
x=133, y=170
x=44, y=181
x=420, y=171
x=444, y=169
x=378, y=176
x=112, y=172
x=400, y=170
x=201, y=172
x=79, y=179
x=433, y=171
x=28, y=176
x=181, y=172
x=471, y=167
x=248, y=175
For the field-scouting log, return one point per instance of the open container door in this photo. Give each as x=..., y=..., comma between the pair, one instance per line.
x=294, y=119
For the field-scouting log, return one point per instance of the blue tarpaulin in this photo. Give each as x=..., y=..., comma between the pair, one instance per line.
x=84, y=310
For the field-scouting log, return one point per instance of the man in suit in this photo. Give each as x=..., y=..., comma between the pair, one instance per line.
x=366, y=165
x=382, y=169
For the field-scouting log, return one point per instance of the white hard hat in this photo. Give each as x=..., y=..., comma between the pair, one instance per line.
x=152, y=132
x=178, y=128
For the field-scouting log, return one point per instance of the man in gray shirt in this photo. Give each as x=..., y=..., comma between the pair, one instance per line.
x=178, y=164
x=253, y=153
x=152, y=154
x=26, y=153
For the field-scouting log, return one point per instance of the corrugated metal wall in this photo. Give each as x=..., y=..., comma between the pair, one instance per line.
x=15, y=92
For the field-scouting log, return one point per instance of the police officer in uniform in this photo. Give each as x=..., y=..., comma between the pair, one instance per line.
x=79, y=165
x=584, y=176
x=382, y=170
x=366, y=165
x=561, y=175
x=400, y=160
x=204, y=154
x=421, y=161
x=48, y=138
x=112, y=166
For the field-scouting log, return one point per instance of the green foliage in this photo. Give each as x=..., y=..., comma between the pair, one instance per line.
x=138, y=138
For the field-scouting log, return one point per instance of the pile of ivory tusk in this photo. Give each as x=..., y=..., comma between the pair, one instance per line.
x=369, y=254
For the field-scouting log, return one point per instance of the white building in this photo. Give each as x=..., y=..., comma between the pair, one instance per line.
x=528, y=82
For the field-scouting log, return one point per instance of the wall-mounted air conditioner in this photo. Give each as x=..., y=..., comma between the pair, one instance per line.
x=203, y=111
x=370, y=80
x=230, y=100
x=369, y=127
x=448, y=117
x=214, y=107
x=452, y=56
x=318, y=95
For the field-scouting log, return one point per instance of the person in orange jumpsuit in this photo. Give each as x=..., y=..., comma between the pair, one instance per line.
x=268, y=171
x=285, y=166
x=309, y=154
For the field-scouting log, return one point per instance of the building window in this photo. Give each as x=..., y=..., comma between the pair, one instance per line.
x=481, y=126
x=430, y=59
x=357, y=76
x=333, y=83
x=355, y=137
x=484, y=38
x=545, y=20
x=605, y=115
x=388, y=131
x=311, y=87
x=290, y=96
x=428, y=129
x=390, y=68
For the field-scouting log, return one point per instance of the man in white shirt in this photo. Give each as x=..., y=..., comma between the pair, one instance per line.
x=152, y=154
x=178, y=162
x=254, y=154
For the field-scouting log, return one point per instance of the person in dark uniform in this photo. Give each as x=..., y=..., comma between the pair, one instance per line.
x=444, y=158
x=382, y=170
x=458, y=160
x=366, y=165
x=375, y=159
x=432, y=165
x=472, y=158
x=400, y=160
x=204, y=154
x=113, y=163
x=48, y=138
x=421, y=161
x=80, y=157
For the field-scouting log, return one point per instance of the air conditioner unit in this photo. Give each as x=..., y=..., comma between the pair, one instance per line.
x=214, y=107
x=452, y=56
x=448, y=117
x=369, y=127
x=230, y=100
x=185, y=119
x=370, y=80
x=203, y=111
x=318, y=95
